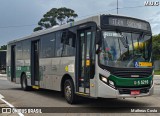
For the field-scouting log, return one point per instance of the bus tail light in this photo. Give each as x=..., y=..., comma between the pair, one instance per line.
x=81, y=79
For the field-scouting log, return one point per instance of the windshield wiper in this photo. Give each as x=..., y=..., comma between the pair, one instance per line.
x=123, y=40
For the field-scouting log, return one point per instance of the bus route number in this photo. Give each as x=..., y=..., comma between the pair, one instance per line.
x=141, y=82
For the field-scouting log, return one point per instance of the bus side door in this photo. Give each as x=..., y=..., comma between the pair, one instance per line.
x=85, y=57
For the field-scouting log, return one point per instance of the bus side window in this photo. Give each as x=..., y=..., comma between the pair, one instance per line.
x=59, y=45
x=19, y=51
x=48, y=45
x=68, y=39
x=26, y=49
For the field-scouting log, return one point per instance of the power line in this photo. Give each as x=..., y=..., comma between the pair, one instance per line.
x=111, y=10
x=19, y=26
x=131, y=7
x=96, y=13
x=14, y=26
x=117, y=6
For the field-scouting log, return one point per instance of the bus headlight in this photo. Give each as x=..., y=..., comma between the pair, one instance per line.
x=111, y=82
x=104, y=79
x=107, y=81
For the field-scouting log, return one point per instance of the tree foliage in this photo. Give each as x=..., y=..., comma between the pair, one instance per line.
x=156, y=47
x=56, y=16
x=3, y=47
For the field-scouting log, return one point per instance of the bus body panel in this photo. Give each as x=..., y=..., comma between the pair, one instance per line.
x=53, y=69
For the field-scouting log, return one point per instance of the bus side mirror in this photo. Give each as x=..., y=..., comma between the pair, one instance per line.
x=98, y=49
x=98, y=40
x=98, y=37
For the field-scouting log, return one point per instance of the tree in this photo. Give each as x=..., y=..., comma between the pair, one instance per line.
x=3, y=47
x=37, y=29
x=56, y=16
x=156, y=47
x=66, y=15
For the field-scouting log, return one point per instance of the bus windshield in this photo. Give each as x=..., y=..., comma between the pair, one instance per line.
x=123, y=49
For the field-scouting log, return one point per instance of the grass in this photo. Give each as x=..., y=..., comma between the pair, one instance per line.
x=157, y=72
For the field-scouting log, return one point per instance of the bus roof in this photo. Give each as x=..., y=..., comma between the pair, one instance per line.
x=56, y=28
x=95, y=19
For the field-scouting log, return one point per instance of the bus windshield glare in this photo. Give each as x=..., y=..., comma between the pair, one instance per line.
x=123, y=49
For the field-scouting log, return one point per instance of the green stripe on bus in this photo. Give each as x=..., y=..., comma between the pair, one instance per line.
x=20, y=69
x=130, y=82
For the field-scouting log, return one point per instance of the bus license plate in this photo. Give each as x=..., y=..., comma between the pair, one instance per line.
x=135, y=92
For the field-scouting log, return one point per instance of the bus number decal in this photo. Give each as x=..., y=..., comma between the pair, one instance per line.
x=18, y=68
x=141, y=82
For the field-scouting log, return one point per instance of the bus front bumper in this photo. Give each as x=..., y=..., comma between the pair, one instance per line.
x=150, y=92
x=105, y=91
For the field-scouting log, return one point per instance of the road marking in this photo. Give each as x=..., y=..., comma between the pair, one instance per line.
x=1, y=96
x=10, y=105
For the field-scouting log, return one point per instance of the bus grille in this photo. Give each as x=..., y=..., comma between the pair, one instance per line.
x=131, y=73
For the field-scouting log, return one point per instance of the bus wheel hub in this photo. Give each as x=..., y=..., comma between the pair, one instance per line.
x=68, y=92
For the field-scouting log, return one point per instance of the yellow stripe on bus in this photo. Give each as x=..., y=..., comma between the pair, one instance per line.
x=149, y=64
x=82, y=93
x=35, y=87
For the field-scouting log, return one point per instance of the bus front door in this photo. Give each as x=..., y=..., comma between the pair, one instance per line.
x=13, y=63
x=35, y=63
x=84, y=61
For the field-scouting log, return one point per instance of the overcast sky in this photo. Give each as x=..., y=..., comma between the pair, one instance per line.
x=19, y=17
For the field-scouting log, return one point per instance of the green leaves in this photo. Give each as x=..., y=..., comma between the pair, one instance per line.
x=37, y=29
x=3, y=47
x=56, y=16
x=156, y=47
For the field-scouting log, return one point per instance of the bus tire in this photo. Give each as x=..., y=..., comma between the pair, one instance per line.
x=69, y=92
x=24, y=85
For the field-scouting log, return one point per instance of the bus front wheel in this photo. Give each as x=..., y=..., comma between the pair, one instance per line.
x=69, y=91
x=24, y=85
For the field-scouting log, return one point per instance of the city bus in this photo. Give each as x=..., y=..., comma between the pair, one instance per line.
x=3, y=61
x=103, y=56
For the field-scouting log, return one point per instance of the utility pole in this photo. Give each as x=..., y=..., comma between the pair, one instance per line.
x=117, y=6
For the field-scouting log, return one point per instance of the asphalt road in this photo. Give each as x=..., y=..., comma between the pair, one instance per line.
x=47, y=98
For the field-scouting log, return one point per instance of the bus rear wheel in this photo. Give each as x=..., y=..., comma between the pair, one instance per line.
x=69, y=92
x=24, y=85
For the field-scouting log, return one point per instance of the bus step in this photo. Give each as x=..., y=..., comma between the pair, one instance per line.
x=35, y=87
x=83, y=94
x=82, y=89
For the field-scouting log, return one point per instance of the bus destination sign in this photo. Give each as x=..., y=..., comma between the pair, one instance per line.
x=124, y=22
